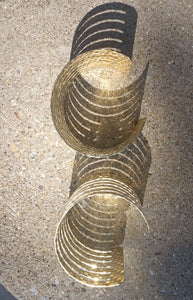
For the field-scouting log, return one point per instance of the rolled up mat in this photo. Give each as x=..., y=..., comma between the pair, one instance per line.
x=90, y=234
x=94, y=106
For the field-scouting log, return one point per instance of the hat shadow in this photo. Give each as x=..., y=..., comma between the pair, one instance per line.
x=110, y=25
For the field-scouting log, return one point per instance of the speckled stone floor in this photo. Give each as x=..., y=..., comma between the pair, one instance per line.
x=36, y=165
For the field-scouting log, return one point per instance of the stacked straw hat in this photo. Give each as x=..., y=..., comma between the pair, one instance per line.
x=96, y=109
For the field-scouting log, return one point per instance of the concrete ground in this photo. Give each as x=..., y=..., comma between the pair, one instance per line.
x=36, y=165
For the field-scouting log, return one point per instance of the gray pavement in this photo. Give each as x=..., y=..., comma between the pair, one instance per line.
x=36, y=165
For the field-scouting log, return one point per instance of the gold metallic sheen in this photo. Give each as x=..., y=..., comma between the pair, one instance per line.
x=98, y=121
x=90, y=234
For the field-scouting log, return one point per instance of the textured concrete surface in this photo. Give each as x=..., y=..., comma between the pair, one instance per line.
x=36, y=164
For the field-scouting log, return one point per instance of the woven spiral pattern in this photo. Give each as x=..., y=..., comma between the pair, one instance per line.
x=91, y=230
x=92, y=120
x=96, y=109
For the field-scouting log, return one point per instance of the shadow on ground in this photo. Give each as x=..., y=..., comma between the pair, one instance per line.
x=5, y=295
